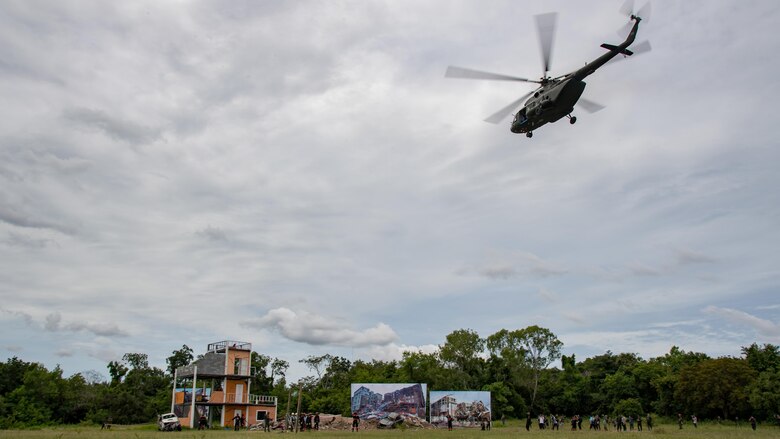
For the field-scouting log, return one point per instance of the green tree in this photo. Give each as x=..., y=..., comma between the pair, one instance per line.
x=420, y=367
x=317, y=364
x=572, y=394
x=628, y=407
x=460, y=353
x=12, y=374
x=618, y=387
x=507, y=356
x=179, y=358
x=762, y=358
x=716, y=387
x=117, y=371
x=136, y=361
x=261, y=381
x=279, y=369
x=541, y=347
x=764, y=394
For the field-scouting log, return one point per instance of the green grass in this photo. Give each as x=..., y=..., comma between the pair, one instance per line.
x=512, y=430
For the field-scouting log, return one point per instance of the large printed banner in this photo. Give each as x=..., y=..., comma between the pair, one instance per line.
x=467, y=409
x=371, y=400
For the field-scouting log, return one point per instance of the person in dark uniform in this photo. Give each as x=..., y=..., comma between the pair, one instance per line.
x=649, y=422
x=203, y=423
x=528, y=421
x=679, y=420
x=237, y=422
x=449, y=422
x=355, y=421
x=316, y=421
x=752, y=421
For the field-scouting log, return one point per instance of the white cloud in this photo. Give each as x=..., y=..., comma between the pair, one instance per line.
x=53, y=323
x=518, y=264
x=762, y=326
x=163, y=156
x=768, y=307
x=314, y=329
x=394, y=352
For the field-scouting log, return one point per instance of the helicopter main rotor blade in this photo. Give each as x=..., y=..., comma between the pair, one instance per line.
x=589, y=106
x=545, y=27
x=499, y=115
x=460, y=72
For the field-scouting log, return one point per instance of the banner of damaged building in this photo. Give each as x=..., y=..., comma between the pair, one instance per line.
x=375, y=400
x=467, y=408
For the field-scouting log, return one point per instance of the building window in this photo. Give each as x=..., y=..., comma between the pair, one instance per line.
x=240, y=367
x=261, y=415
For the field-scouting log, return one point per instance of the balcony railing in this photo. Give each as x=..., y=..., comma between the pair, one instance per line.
x=233, y=398
x=262, y=399
x=232, y=344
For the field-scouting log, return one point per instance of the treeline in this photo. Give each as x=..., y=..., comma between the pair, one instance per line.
x=516, y=366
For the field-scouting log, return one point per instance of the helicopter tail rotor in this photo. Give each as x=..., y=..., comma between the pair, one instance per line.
x=628, y=10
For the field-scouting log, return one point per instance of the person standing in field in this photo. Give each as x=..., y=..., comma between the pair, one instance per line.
x=695, y=421
x=649, y=422
x=355, y=421
x=528, y=421
x=679, y=420
x=752, y=421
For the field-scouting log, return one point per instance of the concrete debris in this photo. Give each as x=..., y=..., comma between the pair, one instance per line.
x=391, y=420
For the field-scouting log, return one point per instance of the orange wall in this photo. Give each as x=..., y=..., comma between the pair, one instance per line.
x=250, y=416
x=232, y=355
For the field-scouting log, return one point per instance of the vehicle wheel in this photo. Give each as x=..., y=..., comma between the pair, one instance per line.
x=573, y=120
x=529, y=134
x=178, y=428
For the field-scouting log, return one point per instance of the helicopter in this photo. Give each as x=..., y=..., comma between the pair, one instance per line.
x=555, y=98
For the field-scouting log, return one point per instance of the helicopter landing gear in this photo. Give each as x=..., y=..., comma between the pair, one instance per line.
x=529, y=134
x=572, y=119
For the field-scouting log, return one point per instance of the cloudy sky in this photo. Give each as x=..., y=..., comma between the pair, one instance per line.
x=300, y=175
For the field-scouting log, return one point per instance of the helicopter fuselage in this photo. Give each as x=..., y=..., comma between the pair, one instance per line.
x=557, y=96
x=551, y=102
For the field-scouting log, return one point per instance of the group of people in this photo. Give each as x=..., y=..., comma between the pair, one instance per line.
x=595, y=422
x=307, y=421
x=238, y=421
x=484, y=424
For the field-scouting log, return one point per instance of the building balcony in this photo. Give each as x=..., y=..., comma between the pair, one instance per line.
x=220, y=397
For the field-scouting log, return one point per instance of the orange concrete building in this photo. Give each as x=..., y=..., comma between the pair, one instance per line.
x=217, y=386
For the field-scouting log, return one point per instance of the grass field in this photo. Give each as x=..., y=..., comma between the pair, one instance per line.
x=512, y=430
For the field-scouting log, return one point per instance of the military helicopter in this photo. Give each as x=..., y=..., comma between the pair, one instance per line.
x=556, y=97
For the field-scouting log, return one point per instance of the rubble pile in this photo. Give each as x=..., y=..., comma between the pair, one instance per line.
x=391, y=420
